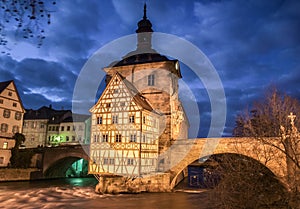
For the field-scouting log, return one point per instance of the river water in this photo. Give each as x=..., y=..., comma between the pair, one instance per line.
x=79, y=193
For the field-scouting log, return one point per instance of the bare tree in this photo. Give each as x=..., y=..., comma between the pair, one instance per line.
x=246, y=183
x=26, y=19
x=273, y=122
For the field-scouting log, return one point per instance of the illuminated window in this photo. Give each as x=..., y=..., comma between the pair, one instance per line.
x=99, y=120
x=105, y=161
x=118, y=138
x=132, y=138
x=151, y=79
x=5, y=145
x=114, y=119
x=111, y=161
x=130, y=161
x=155, y=123
x=105, y=138
x=144, y=120
x=6, y=113
x=131, y=119
x=108, y=161
x=33, y=124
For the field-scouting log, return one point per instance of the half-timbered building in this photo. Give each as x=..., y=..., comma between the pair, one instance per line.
x=125, y=131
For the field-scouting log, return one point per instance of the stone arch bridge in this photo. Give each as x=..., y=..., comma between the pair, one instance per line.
x=55, y=160
x=183, y=153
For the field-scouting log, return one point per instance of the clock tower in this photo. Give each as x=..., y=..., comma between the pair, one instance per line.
x=156, y=78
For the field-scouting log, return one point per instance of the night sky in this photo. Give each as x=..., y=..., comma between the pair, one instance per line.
x=252, y=45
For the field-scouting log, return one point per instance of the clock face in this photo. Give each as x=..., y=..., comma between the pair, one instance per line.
x=177, y=66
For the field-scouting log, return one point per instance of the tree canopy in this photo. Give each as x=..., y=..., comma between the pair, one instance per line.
x=25, y=19
x=266, y=117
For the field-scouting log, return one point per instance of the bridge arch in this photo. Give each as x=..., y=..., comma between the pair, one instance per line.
x=60, y=167
x=56, y=161
x=248, y=147
x=224, y=159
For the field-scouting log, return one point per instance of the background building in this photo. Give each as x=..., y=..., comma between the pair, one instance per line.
x=49, y=127
x=11, y=119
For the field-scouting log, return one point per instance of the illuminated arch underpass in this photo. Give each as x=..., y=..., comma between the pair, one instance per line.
x=67, y=167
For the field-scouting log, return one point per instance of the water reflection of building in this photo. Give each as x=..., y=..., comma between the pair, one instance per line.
x=11, y=119
x=139, y=114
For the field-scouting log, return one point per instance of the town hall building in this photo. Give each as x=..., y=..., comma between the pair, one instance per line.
x=139, y=114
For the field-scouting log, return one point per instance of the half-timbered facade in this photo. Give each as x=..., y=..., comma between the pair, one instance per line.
x=125, y=130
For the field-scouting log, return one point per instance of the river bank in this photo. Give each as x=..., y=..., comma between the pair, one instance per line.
x=18, y=174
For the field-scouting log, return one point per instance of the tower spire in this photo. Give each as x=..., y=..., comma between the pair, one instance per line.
x=145, y=11
x=144, y=25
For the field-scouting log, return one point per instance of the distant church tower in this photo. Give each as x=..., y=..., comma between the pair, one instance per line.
x=140, y=106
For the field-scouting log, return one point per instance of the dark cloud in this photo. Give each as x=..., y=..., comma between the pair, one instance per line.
x=252, y=44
